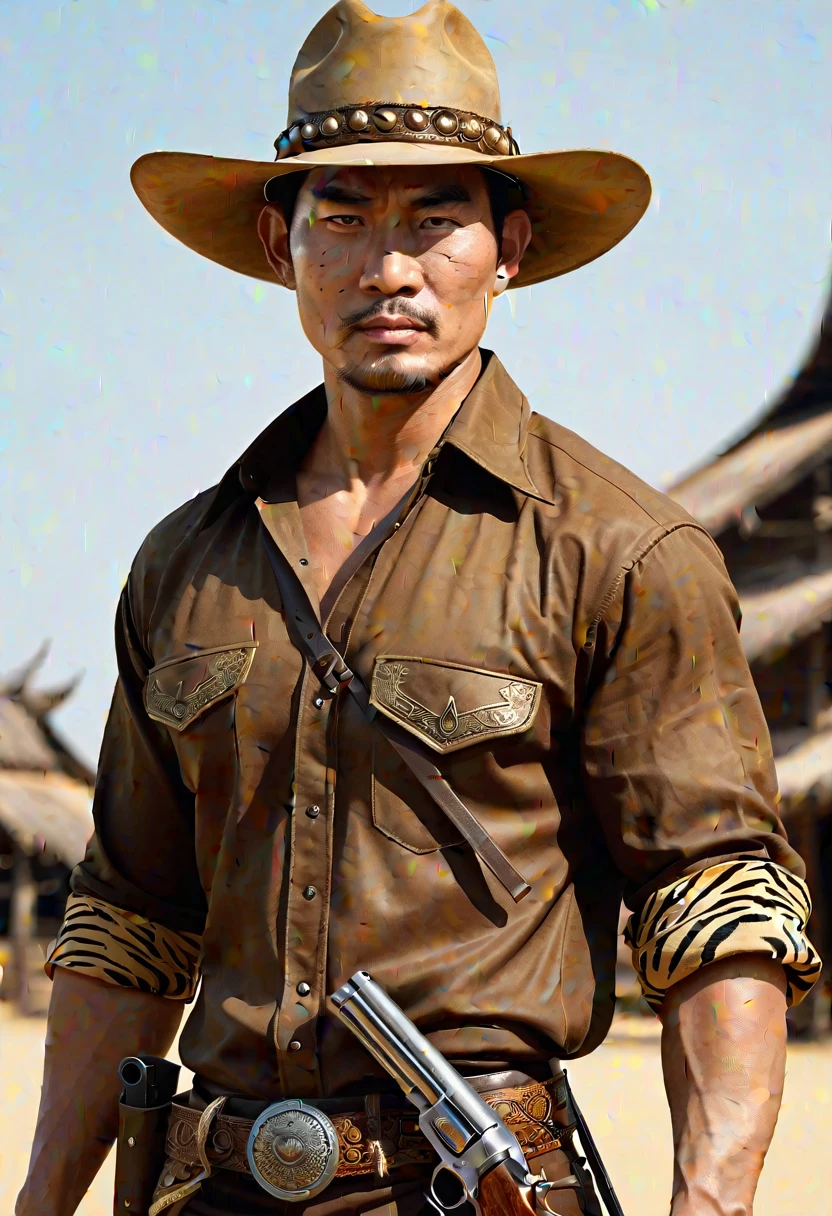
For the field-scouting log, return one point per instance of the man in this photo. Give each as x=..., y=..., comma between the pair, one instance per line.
x=557, y=636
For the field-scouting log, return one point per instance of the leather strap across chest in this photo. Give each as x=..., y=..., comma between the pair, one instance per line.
x=329, y=666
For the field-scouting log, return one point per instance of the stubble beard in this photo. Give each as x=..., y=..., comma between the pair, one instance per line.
x=386, y=374
x=385, y=377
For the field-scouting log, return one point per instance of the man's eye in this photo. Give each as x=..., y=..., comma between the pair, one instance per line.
x=438, y=222
x=346, y=221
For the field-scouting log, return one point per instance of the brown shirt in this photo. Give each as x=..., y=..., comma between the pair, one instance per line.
x=565, y=640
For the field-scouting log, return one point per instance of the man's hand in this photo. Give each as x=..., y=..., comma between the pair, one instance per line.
x=724, y=1057
x=91, y=1027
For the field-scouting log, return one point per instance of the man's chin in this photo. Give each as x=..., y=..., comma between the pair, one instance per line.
x=387, y=377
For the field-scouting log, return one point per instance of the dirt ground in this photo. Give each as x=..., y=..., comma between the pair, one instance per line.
x=619, y=1088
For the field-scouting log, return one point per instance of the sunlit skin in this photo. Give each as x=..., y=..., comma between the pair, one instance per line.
x=91, y=1027
x=724, y=1062
x=395, y=272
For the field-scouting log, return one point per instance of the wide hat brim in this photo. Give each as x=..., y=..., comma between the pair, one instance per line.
x=581, y=202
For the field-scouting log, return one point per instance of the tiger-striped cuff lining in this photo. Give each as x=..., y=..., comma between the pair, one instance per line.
x=745, y=906
x=125, y=949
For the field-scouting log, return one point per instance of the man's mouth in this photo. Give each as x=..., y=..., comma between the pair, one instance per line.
x=392, y=330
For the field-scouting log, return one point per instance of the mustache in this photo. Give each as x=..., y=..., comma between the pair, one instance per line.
x=389, y=308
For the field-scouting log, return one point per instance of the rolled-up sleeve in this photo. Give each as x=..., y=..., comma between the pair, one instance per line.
x=137, y=908
x=677, y=765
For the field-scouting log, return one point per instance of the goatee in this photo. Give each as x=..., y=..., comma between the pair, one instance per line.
x=385, y=376
x=389, y=380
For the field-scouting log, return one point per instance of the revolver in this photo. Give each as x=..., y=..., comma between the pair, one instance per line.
x=481, y=1160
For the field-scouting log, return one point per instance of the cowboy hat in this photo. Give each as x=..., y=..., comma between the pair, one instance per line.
x=370, y=90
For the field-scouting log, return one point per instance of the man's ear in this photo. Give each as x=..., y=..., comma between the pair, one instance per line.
x=517, y=232
x=272, y=230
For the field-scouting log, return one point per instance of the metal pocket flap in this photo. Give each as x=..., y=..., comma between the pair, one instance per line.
x=448, y=706
x=179, y=690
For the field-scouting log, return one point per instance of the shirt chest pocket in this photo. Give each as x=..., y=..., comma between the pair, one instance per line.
x=179, y=691
x=450, y=709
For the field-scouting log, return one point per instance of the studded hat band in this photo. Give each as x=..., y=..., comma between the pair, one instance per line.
x=407, y=124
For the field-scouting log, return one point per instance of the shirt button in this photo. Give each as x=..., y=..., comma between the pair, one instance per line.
x=309, y=892
x=304, y=561
x=294, y=1045
x=303, y=988
x=318, y=702
x=313, y=811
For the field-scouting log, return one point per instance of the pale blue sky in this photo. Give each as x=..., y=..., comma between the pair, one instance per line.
x=133, y=372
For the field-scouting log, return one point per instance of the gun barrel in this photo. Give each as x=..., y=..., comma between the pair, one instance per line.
x=468, y=1135
x=390, y=1036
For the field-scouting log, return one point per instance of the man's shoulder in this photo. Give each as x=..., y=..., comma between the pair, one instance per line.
x=181, y=523
x=164, y=543
x=566, y=467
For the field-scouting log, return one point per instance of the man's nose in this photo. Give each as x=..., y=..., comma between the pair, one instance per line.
x=391, y=272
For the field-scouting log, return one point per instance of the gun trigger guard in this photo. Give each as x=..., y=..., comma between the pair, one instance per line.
x=541, y=1188
x=436, y=1203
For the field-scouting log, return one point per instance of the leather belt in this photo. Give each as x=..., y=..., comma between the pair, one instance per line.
x=534, y=1111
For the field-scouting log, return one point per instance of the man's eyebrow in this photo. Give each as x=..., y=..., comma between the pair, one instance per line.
x=333, y=193
x=442, y=195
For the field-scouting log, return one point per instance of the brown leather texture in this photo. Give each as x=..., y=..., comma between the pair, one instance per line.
x=440, y=125
x=284, y=829
x=140, y=1155
x=528, y=1110
x=401, y=1193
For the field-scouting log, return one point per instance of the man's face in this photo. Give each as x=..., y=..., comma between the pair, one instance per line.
x=394, y=269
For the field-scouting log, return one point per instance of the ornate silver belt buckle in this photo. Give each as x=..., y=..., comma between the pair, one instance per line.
x=293, y=1150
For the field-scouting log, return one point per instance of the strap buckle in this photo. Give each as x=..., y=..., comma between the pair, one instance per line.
x=332, y=671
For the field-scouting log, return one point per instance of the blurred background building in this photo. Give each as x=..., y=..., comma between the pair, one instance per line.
x=45, y=820
x=767, y=500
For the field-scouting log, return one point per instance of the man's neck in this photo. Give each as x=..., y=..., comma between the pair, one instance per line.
x=377, y=438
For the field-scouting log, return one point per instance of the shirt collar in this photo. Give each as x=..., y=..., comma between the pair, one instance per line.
x=490, y=427
x=274, y=455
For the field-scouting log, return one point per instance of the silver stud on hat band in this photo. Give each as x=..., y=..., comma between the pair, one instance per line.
x=406, y=123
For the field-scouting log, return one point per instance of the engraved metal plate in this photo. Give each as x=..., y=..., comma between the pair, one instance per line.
x=293, y=1150
x=179, y=690
x=448, y=706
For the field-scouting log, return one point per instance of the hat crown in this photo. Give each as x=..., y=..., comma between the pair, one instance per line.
x=433, y=57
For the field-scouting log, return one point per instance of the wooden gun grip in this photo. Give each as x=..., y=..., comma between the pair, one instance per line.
x=500, y=1195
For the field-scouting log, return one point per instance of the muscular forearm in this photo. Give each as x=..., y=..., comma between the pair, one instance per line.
x=724, y=1055
x=91, y=1027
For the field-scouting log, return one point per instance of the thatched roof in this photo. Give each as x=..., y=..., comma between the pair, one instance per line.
x=779, y=448
x=806, y=769
x=38, y=809
x=777, y=616
x=811, y=389
x=758, y=470
x=28, y=740
x=45, y=788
